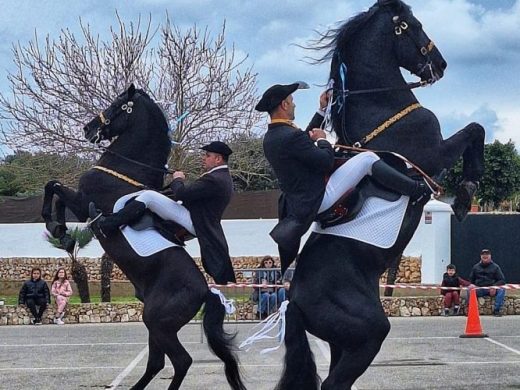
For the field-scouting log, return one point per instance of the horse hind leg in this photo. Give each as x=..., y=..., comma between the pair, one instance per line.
x=350, y=366
x=172, y=347
x=153, y=367
x=350, y=358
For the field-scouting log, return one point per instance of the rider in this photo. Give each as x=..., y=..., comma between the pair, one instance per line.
x=204, y=202
x=301, y=160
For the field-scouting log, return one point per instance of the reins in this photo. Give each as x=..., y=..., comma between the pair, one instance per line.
x=162, y=170
x=408, y=86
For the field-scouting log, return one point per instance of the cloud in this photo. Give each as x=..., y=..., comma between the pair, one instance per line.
x=455, y=121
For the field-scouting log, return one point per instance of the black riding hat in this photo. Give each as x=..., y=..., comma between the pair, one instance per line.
x=275, y=94
x=218, y=147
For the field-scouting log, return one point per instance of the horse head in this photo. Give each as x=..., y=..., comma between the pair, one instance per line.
x=413, y=48
x=112, y=121
x=380, y=41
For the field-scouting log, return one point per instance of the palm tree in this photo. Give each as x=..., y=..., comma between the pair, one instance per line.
x=78, y=271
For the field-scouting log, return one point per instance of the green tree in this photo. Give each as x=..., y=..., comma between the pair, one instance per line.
x=26, y=173
x=249, y=167
x=501, y=179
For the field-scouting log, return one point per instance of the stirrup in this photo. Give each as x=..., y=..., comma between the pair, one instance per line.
x=95, y=217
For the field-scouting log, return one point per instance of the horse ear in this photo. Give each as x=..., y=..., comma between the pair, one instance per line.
x=131, y=90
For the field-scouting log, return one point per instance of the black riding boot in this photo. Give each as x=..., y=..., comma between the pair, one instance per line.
x=394, y=180
x=108, y=225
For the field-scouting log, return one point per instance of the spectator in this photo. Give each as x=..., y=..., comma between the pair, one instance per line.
x=35, y=293
x=61, y=291
x=486, y=273
x=268, y=297
x=451, y=279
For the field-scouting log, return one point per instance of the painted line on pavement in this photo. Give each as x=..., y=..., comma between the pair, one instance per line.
x=168, y=366
x=128, y=369
x=81, y=344
x=502, y=345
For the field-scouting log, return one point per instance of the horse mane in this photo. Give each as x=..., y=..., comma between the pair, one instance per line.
x=154, y=105
x=340, y=36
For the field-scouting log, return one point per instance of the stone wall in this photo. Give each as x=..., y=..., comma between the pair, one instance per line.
x=132, y=312
x=19, y=268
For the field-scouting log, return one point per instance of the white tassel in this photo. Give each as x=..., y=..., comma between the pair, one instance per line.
x=268, y=325
x=227, y=303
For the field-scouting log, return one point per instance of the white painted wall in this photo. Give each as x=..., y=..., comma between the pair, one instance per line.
x=431, y=241
x=249, y=238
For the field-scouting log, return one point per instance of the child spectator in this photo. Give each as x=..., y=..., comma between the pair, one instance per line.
x=61, y=291
x=35, y=294
x=451, y=279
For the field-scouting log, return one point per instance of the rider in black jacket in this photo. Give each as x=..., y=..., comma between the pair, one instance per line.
x=33, y=293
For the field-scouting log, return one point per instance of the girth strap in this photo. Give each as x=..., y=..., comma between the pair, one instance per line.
x=119, y=176
x=386, y=124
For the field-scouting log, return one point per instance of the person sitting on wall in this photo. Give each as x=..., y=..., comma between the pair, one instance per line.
x=486, y=273
x=452, y=297
x=35, y=294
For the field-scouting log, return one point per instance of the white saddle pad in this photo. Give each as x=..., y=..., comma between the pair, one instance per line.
x=378, y=223
x=144, y=242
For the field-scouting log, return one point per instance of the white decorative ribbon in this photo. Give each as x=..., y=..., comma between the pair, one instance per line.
x=270, y=323
x=227, y=303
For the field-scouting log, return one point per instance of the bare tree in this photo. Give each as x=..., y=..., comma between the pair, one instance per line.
x=59, y=84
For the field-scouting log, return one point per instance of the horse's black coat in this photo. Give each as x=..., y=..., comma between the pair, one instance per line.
x=334, y=292
x=170, y=284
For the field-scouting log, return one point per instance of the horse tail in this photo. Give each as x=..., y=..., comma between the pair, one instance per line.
x=220, y=342
x=299, y=367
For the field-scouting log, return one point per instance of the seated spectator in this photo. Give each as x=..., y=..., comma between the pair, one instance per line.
x=451, y=279
x=486, y=273
x=35, y=294
x=268, y=298
x=61, y=291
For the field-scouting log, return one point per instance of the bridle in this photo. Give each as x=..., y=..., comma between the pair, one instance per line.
x=400, y=27
x=105, y=121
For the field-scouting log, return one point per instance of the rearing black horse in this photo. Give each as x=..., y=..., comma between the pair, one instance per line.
x=334, y=292
x=170, y=284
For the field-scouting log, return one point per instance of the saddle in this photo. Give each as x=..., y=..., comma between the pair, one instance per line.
x=350, y=204
x=170, y=230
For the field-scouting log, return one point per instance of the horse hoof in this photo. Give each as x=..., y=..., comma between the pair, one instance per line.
x=56, y=229
x=68, y=243
x=463, y=197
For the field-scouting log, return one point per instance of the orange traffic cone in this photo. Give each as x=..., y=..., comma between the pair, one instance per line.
x=473, y=328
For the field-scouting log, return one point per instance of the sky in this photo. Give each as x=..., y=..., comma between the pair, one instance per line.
x=478, y=38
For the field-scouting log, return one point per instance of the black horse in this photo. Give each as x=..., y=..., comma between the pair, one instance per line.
x=334, y=292
x=171, y=286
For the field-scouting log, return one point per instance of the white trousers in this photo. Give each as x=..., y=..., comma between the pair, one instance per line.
x=167, y=208
x=346, y=177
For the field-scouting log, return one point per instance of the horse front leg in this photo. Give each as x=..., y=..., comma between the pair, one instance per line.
x=66, y=198
x=468, y=143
